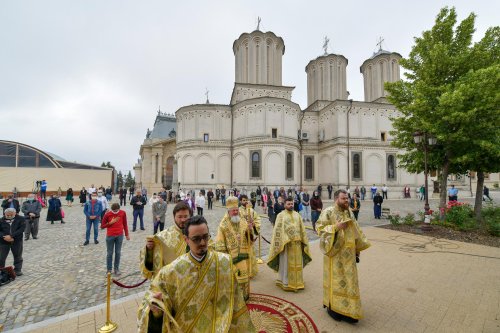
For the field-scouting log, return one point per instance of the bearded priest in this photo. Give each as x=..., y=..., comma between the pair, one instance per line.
x=341, y=241
x=165, y=246
x=236, y=236
x=289, y=252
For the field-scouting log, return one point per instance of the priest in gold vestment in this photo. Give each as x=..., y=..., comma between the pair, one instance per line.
x=249, y=213
x=289, y=252
x=197, y=292
x=236, y=236
x=341, y=241
x=164, y=247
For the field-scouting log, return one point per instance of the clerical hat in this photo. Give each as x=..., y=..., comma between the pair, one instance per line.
x=231, y=202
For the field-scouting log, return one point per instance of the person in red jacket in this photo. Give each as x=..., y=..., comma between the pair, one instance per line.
x=115, y=221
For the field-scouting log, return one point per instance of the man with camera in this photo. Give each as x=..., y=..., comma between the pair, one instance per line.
x=31, y=209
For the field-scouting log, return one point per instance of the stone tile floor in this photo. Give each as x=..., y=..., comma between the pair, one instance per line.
x=62, y=277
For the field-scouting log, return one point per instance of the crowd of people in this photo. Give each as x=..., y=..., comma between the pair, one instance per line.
x=228, y=262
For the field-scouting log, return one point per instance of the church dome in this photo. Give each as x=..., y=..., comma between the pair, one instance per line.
x=381, y=67
x=258, y=58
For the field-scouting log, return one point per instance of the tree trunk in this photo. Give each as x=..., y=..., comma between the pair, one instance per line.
x=478, y=204
x=443, y=184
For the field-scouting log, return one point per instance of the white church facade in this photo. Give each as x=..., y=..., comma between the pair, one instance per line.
x=261, y=137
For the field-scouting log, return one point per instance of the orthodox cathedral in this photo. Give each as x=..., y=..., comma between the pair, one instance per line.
x=261, y=137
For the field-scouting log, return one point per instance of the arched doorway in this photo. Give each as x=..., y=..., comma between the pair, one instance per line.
x=169, y=173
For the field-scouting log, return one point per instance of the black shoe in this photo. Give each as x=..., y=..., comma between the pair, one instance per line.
x=18, y=273
x=62, y=222
x=86, y=243
x=133, y=230
x=143, y=229
x=35, y=237
x=27, y=238
x=349, y=320
x=96, y=241
x=336, y=316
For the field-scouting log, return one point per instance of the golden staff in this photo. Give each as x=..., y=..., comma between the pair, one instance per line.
x=249, y=268
x=110, y=326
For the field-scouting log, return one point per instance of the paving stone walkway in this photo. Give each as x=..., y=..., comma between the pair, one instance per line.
x=61, y=276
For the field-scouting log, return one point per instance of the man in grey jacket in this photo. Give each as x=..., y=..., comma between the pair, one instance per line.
x=31, y=209
x=159, y=211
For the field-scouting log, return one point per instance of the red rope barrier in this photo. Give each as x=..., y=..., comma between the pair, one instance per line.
x=119, y=284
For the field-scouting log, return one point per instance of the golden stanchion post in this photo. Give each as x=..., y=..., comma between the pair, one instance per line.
x=110, y=326
x=259, y=259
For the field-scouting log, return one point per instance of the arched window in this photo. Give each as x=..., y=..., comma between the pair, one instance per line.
x=391, y=167
x=309, y=168
x=255, y=164
x=289, y=165
x=356, y=165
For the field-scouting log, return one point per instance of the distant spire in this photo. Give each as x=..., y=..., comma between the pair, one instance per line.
x=325, y=45
x=206, y=93
x=258, y=22
x=379, y=43
x=159, y=110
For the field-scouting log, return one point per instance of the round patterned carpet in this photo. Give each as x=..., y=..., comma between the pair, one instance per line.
x=275, y=315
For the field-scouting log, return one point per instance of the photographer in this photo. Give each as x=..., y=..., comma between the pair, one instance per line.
x=31, y=210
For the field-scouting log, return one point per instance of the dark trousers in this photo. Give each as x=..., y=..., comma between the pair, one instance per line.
x=384, y=195
x=158, y=225
x=200, y=211
x=31, y=228
x=210, y=204
x=377, y=210
x=314, y=217
x=223, y=199
x=17, y=250
x=123, y=201
x=138, y=213
x=329, y=194
x=356, y=213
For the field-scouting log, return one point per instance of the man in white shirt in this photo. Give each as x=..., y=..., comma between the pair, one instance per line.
x=91, y=190
x=200, y=203
x=384, y=192
x=104, y=202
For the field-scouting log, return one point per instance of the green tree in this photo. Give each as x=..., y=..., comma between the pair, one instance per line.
x=129, y=180
x=476, y=102
x=119, y=179
x=440, y=62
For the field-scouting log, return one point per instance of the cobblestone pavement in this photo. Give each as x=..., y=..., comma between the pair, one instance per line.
x=62, y=276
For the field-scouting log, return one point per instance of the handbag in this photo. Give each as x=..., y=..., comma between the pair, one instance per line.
x=300, y=207
x=62, y=213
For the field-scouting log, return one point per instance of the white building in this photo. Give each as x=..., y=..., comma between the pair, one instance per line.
x=263, y=138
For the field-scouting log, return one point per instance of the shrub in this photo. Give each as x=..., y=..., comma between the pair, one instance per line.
x=395, y=219
x=409, y=219
x=460, y=215
x=495, y=185
x=491, y=217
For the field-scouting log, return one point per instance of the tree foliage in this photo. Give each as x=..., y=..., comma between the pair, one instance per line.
x=450, y=93
x=129, y=180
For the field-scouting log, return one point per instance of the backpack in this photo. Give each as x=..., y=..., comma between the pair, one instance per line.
x=7, y=275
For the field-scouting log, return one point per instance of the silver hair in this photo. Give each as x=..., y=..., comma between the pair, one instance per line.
x=9, y=210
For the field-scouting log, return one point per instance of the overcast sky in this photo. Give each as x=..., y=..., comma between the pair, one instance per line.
x=84, y=79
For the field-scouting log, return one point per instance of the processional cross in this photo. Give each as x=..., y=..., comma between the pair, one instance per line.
x=325, y=45
x=258, y=22
x=206, y=94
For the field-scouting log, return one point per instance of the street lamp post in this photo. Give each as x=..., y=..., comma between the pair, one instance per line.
x=426, y=141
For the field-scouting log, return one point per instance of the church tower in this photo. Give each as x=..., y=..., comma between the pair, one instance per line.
x=258, y=57
x=382, y=67
x=326, y=78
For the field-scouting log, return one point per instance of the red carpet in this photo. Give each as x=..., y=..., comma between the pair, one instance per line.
x=275, y=315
